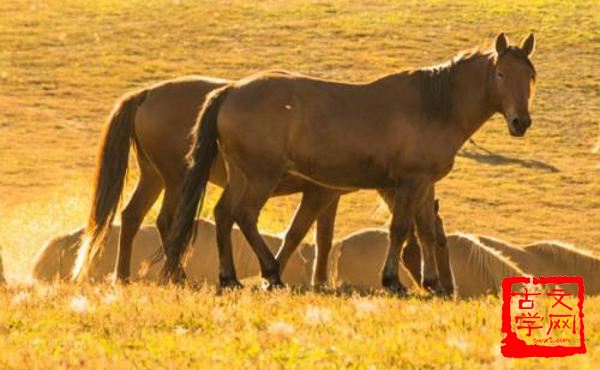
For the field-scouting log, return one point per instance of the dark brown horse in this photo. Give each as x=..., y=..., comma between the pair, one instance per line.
x=157, y=121
x=399, y=133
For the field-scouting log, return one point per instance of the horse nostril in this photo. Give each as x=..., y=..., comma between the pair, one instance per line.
x=515, y=122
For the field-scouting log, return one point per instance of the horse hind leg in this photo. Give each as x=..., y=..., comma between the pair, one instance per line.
x=315, y=205
x=165, y=220
x=223, y=213
x=257, y=190
x=146, y=192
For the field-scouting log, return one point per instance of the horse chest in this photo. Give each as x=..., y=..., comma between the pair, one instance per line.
x=429, y=171
x=443, y=169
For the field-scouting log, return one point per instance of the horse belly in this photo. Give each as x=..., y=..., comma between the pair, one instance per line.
x=359, y=174
x=368, y=158
x=337, y=160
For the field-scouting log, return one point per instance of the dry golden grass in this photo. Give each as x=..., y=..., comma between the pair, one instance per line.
x=151, y=327
x=63, y=64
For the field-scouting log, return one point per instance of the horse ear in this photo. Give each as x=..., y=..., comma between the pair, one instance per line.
x=501, y=43
x=528, y=45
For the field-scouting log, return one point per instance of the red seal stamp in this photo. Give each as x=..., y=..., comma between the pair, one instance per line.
x=542, y=316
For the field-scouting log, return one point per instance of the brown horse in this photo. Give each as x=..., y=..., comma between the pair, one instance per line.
x=157, y=122
x=400, y=133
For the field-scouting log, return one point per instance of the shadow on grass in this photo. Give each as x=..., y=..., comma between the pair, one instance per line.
x=483, y=155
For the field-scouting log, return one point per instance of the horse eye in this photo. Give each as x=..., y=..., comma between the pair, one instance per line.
x=500, y=75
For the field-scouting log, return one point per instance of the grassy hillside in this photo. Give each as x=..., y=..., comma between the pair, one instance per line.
x=63, y=65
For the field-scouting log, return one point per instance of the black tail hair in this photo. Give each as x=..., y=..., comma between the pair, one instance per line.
x=201, y=157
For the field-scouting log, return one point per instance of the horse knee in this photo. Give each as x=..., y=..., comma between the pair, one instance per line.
x=324, y=229
x=293, y=236
x=221, y=213
x=131, y=217
x=400, y=229
x=244, y=217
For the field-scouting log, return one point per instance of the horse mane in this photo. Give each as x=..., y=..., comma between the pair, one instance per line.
x=492, y=265
x=565, y=254
x=436, y=82
x=436, y=94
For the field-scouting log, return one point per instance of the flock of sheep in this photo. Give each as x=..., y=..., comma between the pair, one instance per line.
x=479, y=263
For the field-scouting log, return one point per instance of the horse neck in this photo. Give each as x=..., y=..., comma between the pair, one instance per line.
x=471, y=98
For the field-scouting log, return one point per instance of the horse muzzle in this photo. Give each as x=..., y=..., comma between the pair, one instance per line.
x=517, y=126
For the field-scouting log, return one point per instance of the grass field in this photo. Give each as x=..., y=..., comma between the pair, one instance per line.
x=63, y=64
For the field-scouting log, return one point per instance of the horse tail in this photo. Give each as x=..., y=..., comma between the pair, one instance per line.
x=109, y=179
x=201, y=157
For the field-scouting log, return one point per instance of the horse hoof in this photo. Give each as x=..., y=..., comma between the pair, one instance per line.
x=116, y=279
x=393, y=286
x=178, y=280
x=431, y=284
x=319, y=287
x=176, y=277
x=179, y=276
x=446, y=292
x=230, y=283
x=274, y=284
x=435, y=287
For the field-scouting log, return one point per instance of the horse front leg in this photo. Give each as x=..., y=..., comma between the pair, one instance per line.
x=411, y=252
x=324, y=242
x=411, y=255
x=443, y=253
x=437, y=275
x=405, y=198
